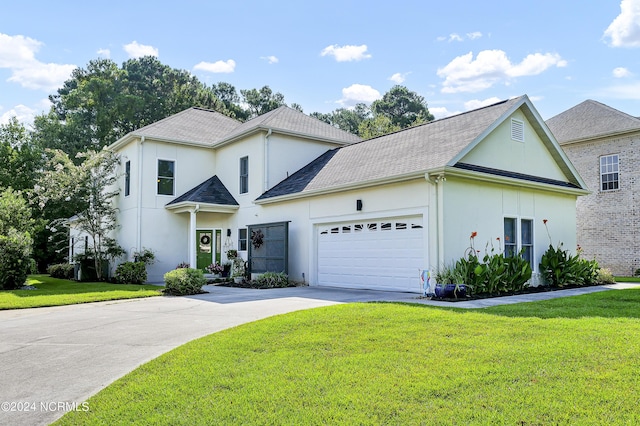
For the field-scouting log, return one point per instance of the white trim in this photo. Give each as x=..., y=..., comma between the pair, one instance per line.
x=175, y=173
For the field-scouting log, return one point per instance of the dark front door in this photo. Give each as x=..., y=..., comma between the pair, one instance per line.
x=205, y=244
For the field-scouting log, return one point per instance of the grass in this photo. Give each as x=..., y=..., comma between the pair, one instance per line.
x=56, y=292
x=627, y=279
x=567, y=361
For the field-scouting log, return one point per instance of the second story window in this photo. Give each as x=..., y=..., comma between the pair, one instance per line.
x=166, y=177
x=244, y=175
x=127, y=178
x=609, y=170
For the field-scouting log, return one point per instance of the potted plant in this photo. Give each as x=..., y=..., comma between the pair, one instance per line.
x=238, y=270
x=232, y=254
x=216, y=269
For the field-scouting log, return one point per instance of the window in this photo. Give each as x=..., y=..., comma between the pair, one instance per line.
x=517, y=130
x=127, y=178
x=244, y=175
x=609, y=169
x=166, y=177
x=242, y=239
x=518, y=238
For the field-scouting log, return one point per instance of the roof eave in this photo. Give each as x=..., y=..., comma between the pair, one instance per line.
x=344, y=187
x=263, y=128
x=601, y=136
x=511, y=181
x=189, y=206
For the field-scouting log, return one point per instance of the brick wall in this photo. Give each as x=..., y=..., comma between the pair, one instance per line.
x=607, y=222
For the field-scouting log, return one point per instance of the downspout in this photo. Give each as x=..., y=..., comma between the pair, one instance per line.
x=139, y=213
x=266, y=161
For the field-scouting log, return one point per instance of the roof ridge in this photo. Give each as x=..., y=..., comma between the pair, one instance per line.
x=614, y=110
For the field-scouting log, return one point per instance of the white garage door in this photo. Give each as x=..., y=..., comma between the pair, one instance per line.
x=381, y=254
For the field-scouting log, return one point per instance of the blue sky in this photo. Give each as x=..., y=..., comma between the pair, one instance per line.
x=457, y=54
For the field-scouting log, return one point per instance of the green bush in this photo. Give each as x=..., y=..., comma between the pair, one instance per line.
x=494, y=275
x=271, y=280
x=61, y=270
x=605, y=276
x=15, y=259
x=131, y=273
x=559, y=268
x=184, y=281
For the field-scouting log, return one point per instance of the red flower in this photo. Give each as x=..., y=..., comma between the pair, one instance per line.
x=544, y=221
x=474, y=234
x=498, y=238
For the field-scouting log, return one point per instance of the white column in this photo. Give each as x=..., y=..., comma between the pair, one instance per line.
x=192, y=238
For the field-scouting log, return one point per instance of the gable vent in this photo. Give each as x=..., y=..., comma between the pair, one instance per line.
x=517, y=130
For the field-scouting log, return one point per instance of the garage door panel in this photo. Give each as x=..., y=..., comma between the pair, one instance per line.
x=379, y=254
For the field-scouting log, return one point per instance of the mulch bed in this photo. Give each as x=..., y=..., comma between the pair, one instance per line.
x=528, y=290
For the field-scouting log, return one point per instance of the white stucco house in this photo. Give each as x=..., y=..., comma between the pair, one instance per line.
x=359, y=214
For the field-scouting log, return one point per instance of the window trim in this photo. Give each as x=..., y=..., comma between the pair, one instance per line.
x=519, y=244
x=127, y=178
x=243, y=186
x=612, y=173
x=175, y=167
x=241, y=240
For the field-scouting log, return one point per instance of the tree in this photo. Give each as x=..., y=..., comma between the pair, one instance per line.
x=403, y=107
x=346, y=119
x=92, y=184
x=262, y=101
x=16, y=226
x=21, y=157
x=377, y=126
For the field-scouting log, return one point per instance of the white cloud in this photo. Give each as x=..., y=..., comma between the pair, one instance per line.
x=442, y=112
x=226, y=67
x=23, y=113
x=271, y=59
x=621, y=72
x=399, y=78
x=465, y=74
x=477, y=103
x=17, y=53
x=346, y=53
x=105, y=53
x=457, y=37
x=624, y=31
x=358, y=93
x=137, y=50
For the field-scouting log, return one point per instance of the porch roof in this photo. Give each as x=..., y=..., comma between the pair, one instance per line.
x=211, y=195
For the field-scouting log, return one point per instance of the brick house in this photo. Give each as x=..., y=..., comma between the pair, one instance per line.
x=604, y=145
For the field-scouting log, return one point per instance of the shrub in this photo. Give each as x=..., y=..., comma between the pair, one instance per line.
x=15, y=259
x=271, y=280
x=146, y=256
x=61, y=270
x=131, y=273
x=559, y=268
x=184, y=281
x=605, y=276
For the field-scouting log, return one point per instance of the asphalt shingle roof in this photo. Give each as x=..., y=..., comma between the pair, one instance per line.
x=417, y=149
x=195, y=125
x=288, y=120
x=211, y=191
x=590, y=119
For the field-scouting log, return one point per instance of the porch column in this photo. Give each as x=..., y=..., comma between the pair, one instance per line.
x=192, y=237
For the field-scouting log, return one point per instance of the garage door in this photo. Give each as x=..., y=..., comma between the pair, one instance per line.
x=382, y=254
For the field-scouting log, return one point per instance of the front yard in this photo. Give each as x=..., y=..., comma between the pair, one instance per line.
x=56, y=292
x=564, y=361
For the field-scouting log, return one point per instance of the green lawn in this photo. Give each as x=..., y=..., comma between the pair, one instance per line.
x=567, y=361
x=56, y=292
x=627, y=279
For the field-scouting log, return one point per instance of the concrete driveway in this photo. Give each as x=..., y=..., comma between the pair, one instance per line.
x=53, y=359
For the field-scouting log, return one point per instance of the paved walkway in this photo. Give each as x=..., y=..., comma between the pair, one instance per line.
x=52, y=358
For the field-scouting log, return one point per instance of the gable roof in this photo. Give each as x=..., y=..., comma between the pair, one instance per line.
x=286, y=120
x=589, y=120
x=412, y=152
x=196, y=126
x=211, y=191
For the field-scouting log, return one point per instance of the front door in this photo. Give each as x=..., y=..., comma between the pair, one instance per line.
x=204, y=243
